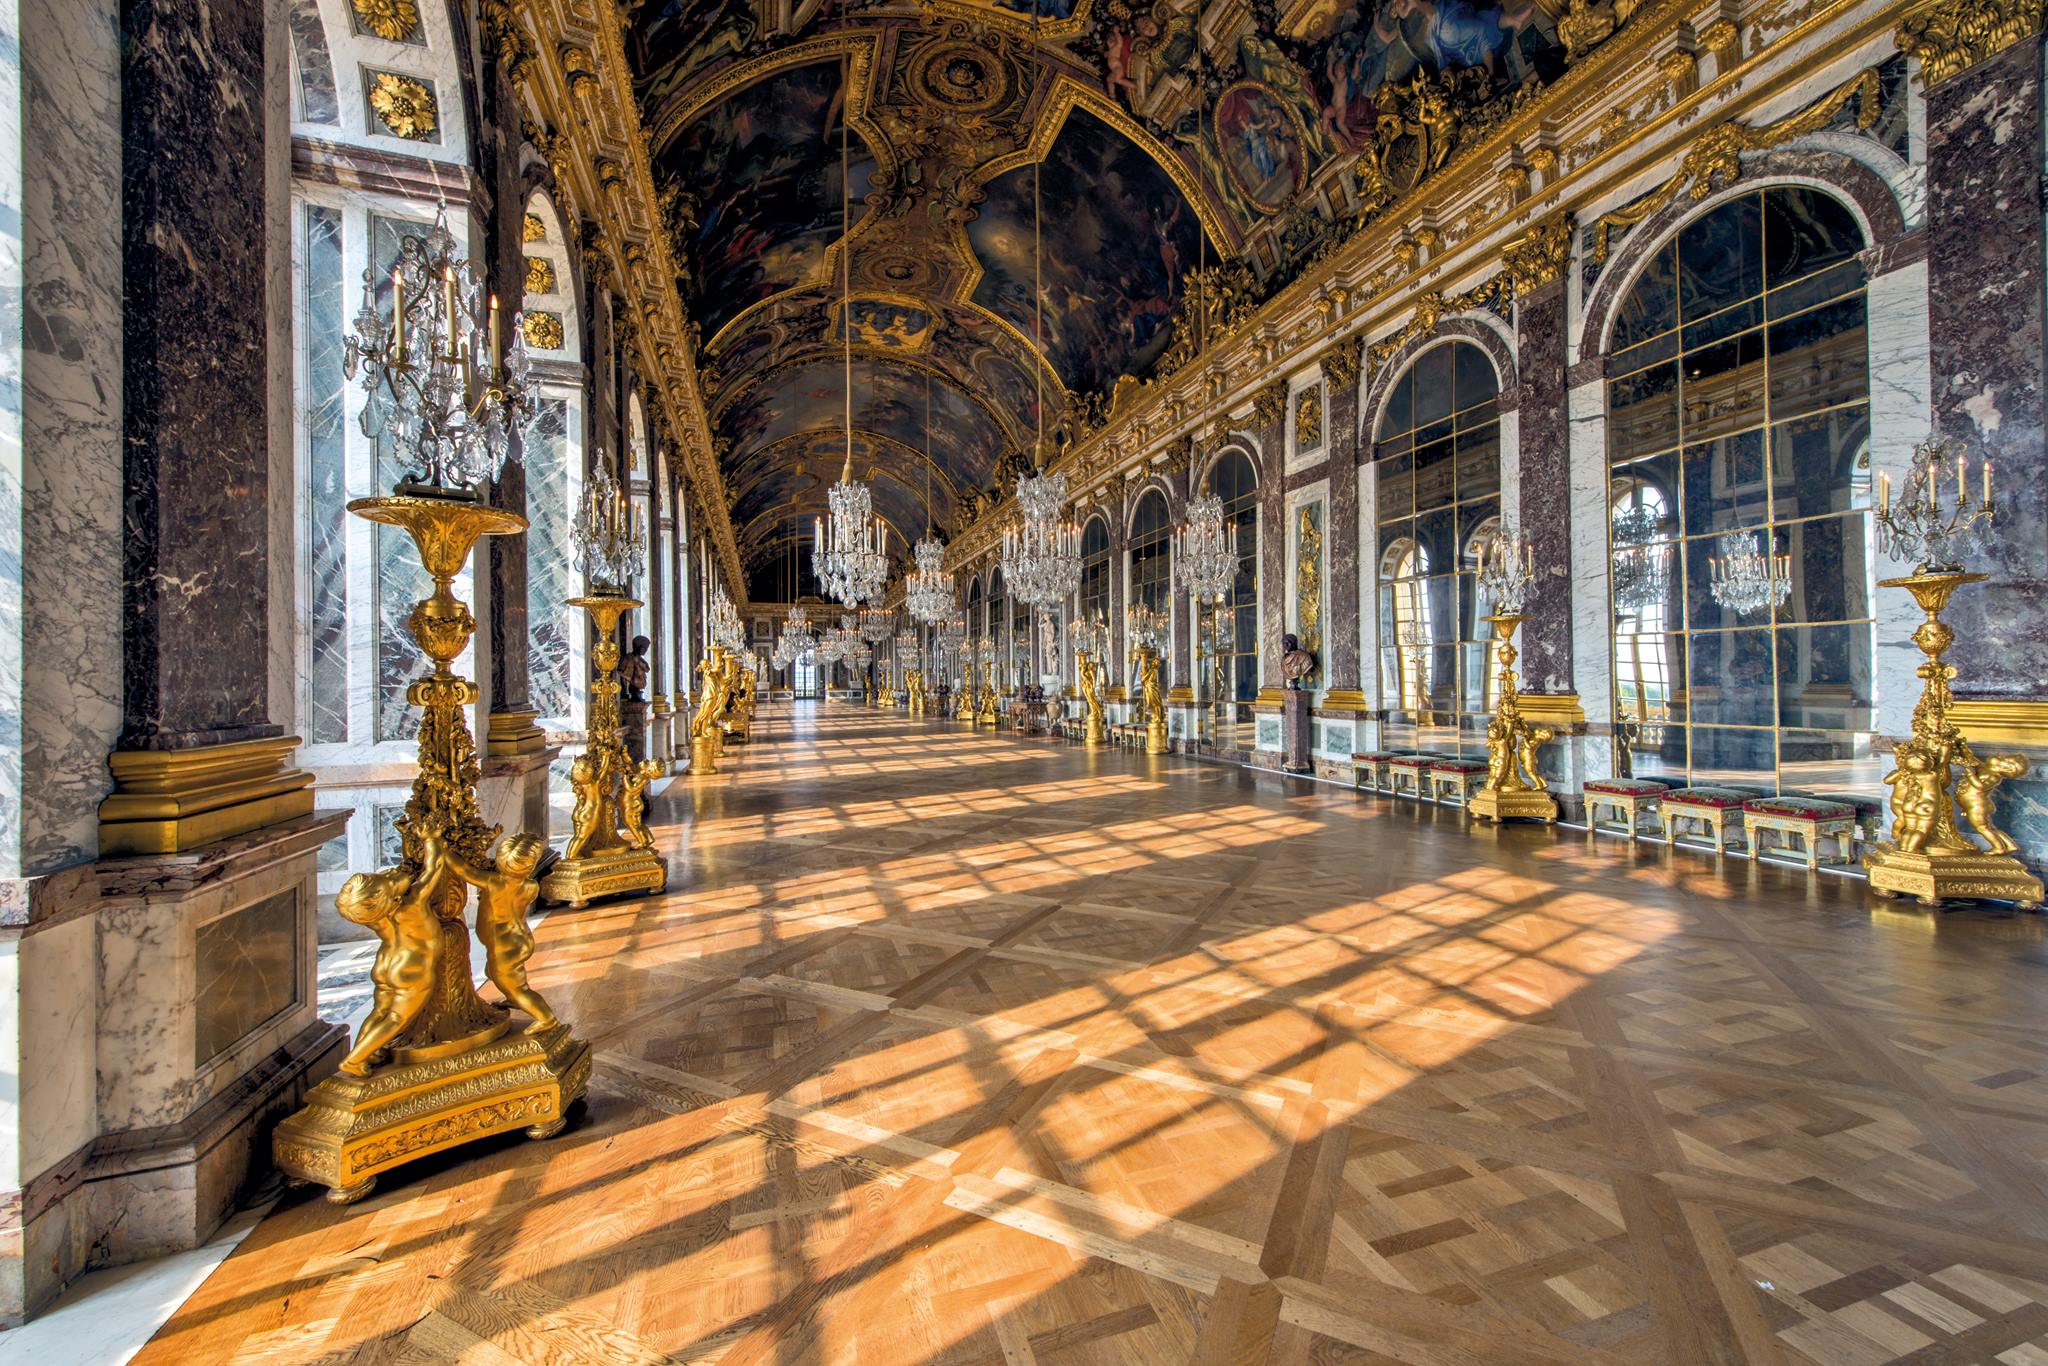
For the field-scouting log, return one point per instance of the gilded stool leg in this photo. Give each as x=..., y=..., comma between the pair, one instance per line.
x=348, y=1195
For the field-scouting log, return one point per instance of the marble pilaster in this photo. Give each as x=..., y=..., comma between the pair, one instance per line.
x=1542, y=458
x=1341, y=663
x=1897, y=301
x=1592, y=625
x=1269, y=419
x=1985, y=286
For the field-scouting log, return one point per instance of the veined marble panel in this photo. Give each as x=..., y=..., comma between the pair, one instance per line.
x=1899, y=405
x=326, y=452
x=245, y=970
x=1592, y=623
x=548, y=589
x=1368, y=582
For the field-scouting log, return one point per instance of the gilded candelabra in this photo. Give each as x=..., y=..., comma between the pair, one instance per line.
x=707, y=738
x=434, y=1064
x=736, y=721
x=1928, y=857
x=610, y=852
x=986, y=716
x=1152, y=706
x=1089, y=672
x=1514, y=787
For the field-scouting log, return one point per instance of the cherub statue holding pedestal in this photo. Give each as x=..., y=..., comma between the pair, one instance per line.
x=398, y=905
x=633, y=802
x=506, y=890
x=1974, y=796
x=586, y=818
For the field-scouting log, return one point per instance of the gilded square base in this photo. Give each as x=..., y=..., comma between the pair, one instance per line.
x=1933, y=878
x=1488, y=804
x=354, y=1128
x=616, y=872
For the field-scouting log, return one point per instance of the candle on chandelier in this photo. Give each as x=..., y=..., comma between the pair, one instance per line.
x=494, y=336
x=1884, y=490
x=397, y=314
x=448, y=301
x=1987, y=484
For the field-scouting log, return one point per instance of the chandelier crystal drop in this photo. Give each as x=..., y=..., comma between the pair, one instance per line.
x=1041, y=555
x=877, y=624
x=1931, y=529
x=727, y=630
x=609, y=535
x=1204, y=557
x=929, y=592
x=1745, y=577
x=1149, y=625
x=1641, y=569
x=438, y=400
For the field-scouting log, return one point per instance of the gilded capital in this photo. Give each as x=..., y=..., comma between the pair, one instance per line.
x=1269, y=405
x=1950, y=36
x=1541, y=255
x=1342, y=362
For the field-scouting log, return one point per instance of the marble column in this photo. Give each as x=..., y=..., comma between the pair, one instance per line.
x=1342, y=669
x=1269, y=428
x=1118, y=664
x=1542, y=456
x=1180, y=675
x=1985, y=245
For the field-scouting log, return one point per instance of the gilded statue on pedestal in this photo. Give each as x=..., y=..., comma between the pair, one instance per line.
x=1514, y=786
x=914, y=680
x=1090, y=675
x=633, y=803
x=506, y=890
x=705, y=735
x=397, y=904
x=1152, y=707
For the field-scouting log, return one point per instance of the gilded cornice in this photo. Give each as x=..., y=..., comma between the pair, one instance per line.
x=1949, y=36
x=572, y=74
x=1615, y=113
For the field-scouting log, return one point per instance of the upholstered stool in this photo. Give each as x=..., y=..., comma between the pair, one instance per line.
x=1629, y=798
x=1869, y=814
x=1370, y=768
x=1461, y=775
x=1408, y=775
x=1709, y=807
x=1809, y=818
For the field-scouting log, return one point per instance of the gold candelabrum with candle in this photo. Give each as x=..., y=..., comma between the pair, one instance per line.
x=1936, y=771
x=610, y=852
x=1089, y=672
x=707, y=744
x=986, y=716
x=434, y=1065
x=736, y=722
x=1514, y=788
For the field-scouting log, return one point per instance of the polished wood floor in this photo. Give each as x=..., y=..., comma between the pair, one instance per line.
x=954, y=1048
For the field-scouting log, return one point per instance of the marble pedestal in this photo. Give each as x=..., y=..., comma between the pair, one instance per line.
x=1294, y=713
x=204, y=1035
x=513, y=791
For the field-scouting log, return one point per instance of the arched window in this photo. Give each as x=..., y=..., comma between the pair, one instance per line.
x=553, y=457
x=1738, y=391
x=1095, y=573
x=1230, y=629
x=1151, y=552
x=1436, y=455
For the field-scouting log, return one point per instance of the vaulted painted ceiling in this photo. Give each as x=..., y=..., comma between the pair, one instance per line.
x=775, y=128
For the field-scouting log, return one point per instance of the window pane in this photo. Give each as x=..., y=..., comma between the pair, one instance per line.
x=1642, y=410
x=1724, y=484
x=1829, y=567
x=1720, y=258
x=1820, y=464
x=1724, y=387
x=1806, y=231
x=1731, y=678
x=1819, y=359
x=1725, y=757
x=1651, y=306
x=1824, y=676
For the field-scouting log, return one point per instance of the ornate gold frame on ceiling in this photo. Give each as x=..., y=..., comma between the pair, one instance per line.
x=862, y=45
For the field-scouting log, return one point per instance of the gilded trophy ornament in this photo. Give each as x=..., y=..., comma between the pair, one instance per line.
x=601, y=859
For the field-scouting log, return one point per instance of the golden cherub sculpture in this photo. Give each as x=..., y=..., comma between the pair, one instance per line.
x=506, y=890
x=397, y=905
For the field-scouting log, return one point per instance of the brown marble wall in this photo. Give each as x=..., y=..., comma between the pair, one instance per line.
x=195, y=376
x=1340, y=373
x=1986, y=328
x=1544, y=459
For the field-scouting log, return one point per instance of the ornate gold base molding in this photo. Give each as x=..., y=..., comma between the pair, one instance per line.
x=2001, y=720
x=166, y=801
x=354, y=1128
x=576, y=882
x=1552, y=709
x=1931, y=878
x=1490, y=805
x=1180, y=697
x=1344, y=699
x=514, y=732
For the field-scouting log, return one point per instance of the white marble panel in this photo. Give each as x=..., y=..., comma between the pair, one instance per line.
x=59, y=1111
x=1368, y=583
x=60, y=453
x=1900, y=396
x=1511, y=469
x=1592, y=621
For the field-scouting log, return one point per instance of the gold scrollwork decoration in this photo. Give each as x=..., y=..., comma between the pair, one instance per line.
x=1308, y=420
x=1539, y=256
x=1308, y=575
x=1269, y=404
x=405, y=106
x=1715, y=157
x=1948, y=36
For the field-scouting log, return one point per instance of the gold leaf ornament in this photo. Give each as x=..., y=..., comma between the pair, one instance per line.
x=405, y=106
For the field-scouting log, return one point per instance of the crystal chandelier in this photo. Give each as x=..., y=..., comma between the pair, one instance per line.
x=1745, y=577
x=727, y=631
x=609, y=535
x=1204, y=559
x=907, y=653
x=849, y=546
x=1919, y=528
x=436, y=393
x=1507, y=571
x=797, y=639
x=877, y=624
x=1641, y=577
x=1041, y=555
x=929, y=592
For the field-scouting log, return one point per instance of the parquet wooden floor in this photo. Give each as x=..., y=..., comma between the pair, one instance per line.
x=953, y=1048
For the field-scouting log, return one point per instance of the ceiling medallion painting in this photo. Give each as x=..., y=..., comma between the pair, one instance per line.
x=1193, y=157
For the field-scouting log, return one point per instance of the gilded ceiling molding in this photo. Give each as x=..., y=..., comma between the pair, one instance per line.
x=857, y=47
x=1950, y=36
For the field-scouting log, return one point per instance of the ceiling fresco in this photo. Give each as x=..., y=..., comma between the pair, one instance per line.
x=1280, y=131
